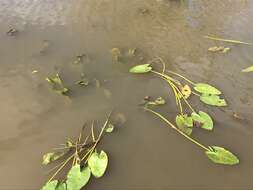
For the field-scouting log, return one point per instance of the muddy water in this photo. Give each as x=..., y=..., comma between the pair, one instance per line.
x=144, y=154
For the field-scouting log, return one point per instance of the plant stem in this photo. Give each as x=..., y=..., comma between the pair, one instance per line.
x=227, y=40
x=188, y=80
x=175, y=128
x=166, y=76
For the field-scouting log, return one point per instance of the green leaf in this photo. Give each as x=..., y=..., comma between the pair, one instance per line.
x=206, y=89
x=158, y=101
x=98, y=163
x=110, y=128
x=51, y=156
x=145, y=68
x=76, y=179
x=57, y=84
x=213, y=100
x=220, y=155
x=51, y=185
x=248, y=69
x=61, y=186
x=184, y=124
x=204, y=119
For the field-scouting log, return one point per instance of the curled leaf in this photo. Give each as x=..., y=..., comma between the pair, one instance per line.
x=220, y=155
x=110, y=128
x=203, y=118
x=77, y=178
x=51, y=156
x=98, y=163
x=186, y=91
x=145, y=68
x=206, y=89
x=248, y=69
x=57, y=84
x=213, y=100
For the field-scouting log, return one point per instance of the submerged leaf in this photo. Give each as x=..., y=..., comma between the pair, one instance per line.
x=110, y=128
x=145, y=68
x=186, y=91
x=76, y=179
x=213, y=100
x=184, y=124
x=158, y=101
x=206, y=89
x=51, y=156
x=57, y=84
x=51, y=185
x=248, y=69
x=204, y=119
x=98, y=163
x=220, y=155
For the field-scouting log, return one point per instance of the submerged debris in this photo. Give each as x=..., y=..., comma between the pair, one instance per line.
x=227, y=40
x=220, y=49
x=116, y=54
x=57, y=84
x=248, y=69
x=12, y=32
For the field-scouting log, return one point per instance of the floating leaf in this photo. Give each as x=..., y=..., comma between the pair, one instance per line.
x=204, y=119
x=98, y=163
x=76, y=179
x=206, y=89
x=51, y=185
x=186, y=91
x=220, y=155
x=61, y=186
x=110, y=128
x=158, y=101
x=221, y=49
x=248, y=69
x=213, y=100
x=145, y=68
x=51, y=156
x=184, y=124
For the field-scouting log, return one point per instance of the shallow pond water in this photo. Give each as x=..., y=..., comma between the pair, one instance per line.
x=144, y=154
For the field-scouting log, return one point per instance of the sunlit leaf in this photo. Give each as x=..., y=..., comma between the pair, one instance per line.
x=61, y=186
x=51, y=185
x=184, y=124
x=145, y=68
x=76, y=179
x=206, y=89
x=220, y=155
x=186, y=91
x=203, y=118
x=98, y=163
x=213, y=100
x=110, y=128
x=248, y=69
x=51, y=156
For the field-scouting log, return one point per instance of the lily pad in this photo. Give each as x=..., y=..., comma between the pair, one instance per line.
x=206, y=89
x=77, y=178
x=184, y=124
x=98, y=163
x=51, y=156
x=220, y=155
x=213, y=100
x=204, y=119
x=51, y=185
x=248, y=69
x=145, y=68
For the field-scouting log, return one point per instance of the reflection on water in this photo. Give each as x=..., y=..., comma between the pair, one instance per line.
x=143, y=153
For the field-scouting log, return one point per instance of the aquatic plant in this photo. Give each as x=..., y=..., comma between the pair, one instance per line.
x=186, y=122
x=85, y=160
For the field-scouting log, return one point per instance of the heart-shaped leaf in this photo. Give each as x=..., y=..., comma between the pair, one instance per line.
x=76, y=179
x=98, y=163
x=213, y=100
x=248, y=69
x=206, y=89
x=220, y=155
x=184, y=124
x=145, y=68
x=51, y=156
x=204, y=119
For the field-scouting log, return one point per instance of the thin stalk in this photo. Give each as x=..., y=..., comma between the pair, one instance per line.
x=175, y=128
x=165, y=76
x=188, y=80
x=227, y=40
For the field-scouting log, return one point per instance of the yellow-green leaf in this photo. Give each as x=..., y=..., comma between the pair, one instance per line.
x=220, y=155
x=51, y=185
x=248, y=69
x=98, y=163
x=205, y=120
x=145, y=68
x=213, y=100
x=51, y=156
x=206, y=89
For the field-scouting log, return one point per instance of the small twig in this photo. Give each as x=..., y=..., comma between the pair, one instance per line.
x=227, y=40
